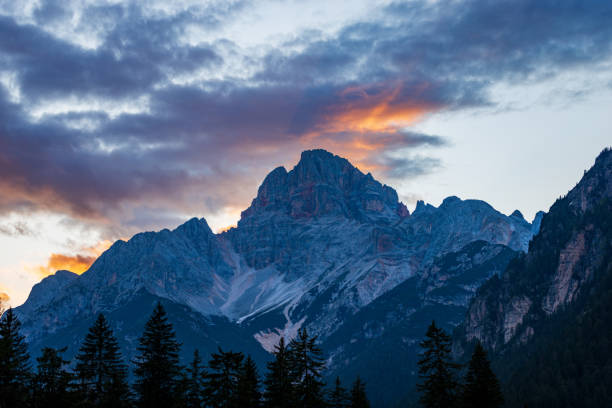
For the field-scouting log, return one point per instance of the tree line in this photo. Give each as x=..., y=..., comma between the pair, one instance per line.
x=440, y=385
x=98, y=376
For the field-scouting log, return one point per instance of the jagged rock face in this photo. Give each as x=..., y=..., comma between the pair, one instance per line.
x=458, y=222
x=595, y=185
x=352, y=238
x=561, y=260
x=360, y=249
x=507, y=317
x=537, y=222
x=320, y=186
x=454, y=278
x=44, y=291
x=184, y=265
x=324, y=184
x=566, y=280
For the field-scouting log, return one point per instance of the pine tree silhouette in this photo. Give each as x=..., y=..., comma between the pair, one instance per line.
x=338, y=397
x=195, y=382
x=248, y=394
x=52, y=382
x=437, y=371
x=306, y=362
x=481, y=388
x=100, y=370
x=279, y=391
x=14, y=362
x=222, y=379
x=359, y=398
x=157, y=365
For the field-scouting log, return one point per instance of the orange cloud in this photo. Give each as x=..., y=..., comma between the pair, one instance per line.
x=369, y=119
x=375, y=108
x=77, y=263
x=96, y=250
x=4, y=299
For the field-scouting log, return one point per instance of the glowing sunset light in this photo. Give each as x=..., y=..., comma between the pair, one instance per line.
x=225, y=229
x=365, y=110
x=4, y=297
x=77, y=263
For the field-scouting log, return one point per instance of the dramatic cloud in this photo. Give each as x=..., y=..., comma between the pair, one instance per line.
x=135, y=107
x=78, y=263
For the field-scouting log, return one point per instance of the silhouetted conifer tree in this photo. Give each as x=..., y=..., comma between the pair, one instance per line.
x=14, y=362
x=194, y=393
x=157, y=366
x=359, y=399
x=437, y=371
x=338, y=397
x=306, y=365
x=52, y=383
x=481, y=388
x=100, y=370
x=222, y=379
x=180, y=390
x=279, y=391
x=248, y=394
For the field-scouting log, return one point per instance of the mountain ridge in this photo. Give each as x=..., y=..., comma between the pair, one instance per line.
x=317, y=245
x=340, y=202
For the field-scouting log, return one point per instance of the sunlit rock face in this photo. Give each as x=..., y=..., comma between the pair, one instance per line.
x=561, y=261
x=319, y=245
x=324, y=184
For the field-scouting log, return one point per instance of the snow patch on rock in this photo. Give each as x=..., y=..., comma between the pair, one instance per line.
x=270, y=338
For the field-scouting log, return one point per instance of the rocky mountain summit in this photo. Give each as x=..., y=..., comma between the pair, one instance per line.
x=324, y=184
x=322, y=246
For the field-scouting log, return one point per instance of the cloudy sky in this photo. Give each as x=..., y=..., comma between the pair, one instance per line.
x=118, y=117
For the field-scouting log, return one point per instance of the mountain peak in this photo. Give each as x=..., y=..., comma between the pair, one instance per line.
x=322, y=166
x=195, y=226
x=596, y=184
x=605, y=155
x=322, y=183
x=517, y=214
x=450, y=200
x=318, y=154
x=46, y=289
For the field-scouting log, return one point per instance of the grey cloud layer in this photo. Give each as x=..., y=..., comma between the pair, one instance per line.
x=200, y=139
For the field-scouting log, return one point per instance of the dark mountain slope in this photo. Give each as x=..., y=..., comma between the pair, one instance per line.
x=383, y=337
x=547, y=317
x=193, y=330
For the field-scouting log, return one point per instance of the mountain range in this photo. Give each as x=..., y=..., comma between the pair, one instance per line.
x=323, y=247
